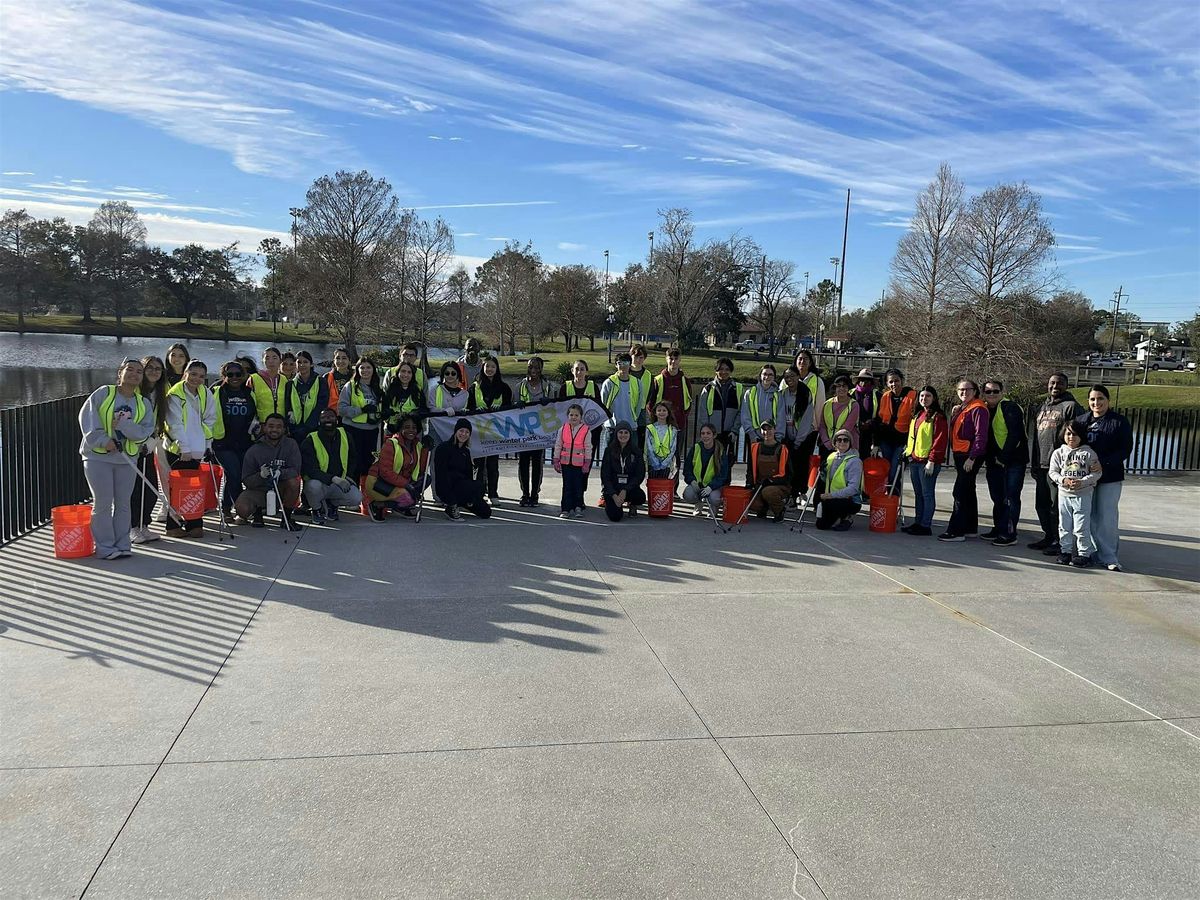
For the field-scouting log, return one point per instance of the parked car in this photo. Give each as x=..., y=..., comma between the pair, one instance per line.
x=1107, y=362
x=1167, y=362
x=876, y=351
x=759, y=346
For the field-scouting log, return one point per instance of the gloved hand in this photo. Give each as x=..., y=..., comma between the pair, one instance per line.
x=264, y=472
x=704, y=492
x=370, y=409
x=209, y=456
x=929, y=467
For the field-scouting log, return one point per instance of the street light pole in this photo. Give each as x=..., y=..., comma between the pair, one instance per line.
x=607, y=306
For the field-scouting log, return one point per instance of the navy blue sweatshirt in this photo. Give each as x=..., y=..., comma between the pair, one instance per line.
x=1111, y=437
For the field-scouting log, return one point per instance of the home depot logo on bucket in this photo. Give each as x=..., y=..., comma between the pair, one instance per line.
x=191, y=504
x=660, y=502
x=71, y=540
x=878, y=518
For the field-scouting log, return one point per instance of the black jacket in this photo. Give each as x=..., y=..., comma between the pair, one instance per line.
x=610, y=467
x=452, y=464
x=308, y=457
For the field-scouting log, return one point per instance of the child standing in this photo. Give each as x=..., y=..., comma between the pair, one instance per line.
x=1070, y=469
x=662, y=438
x=572, y=459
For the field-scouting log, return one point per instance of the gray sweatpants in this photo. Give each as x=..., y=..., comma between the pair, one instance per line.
x=316, y=494
x=112, y=486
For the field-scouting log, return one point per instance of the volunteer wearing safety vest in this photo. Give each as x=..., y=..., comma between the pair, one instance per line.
x=720, y=405
x=1007, y=457
x=767, y=474
x=309, y=395
x=866, y=398
x=398, y=478
x=360, y=405
x=336, y=377
x=453, y=476
x=402, y=395
x=325, y=466
x=810, y=374
x=271, y=390
x=621, y=474
x=925, y=450
x=192, y=413
x=671, y=387
x=842, y=482
x=448, y=396
x=489, y=392
x=840, y=411
x=892, y=419
x=662, y=441
x=798, y=420
x=623, y=396
x=760, y=403
x=408, y=354
x=144, y=496
x=274, y=462
x=530, y=463
x=115, y=420
x=968, y=440
x=470, y=363
x=572, y=458
x=233, y=431
x=639, y=373
x=706, y=471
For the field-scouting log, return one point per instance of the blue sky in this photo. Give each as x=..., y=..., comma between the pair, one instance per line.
x=569, y=123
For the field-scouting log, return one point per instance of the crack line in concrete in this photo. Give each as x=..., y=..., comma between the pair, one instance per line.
x=187, y=721
x=1004, y=637
x=786, y=839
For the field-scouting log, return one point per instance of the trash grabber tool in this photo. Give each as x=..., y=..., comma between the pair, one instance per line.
x=222, y=525
x=713, y=515
x=171, y=512
x=814, y=473
x=746, y=512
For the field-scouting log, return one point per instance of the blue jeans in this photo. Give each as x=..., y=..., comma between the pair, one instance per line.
x=1004, y=486
x=1074, y=524
x=924, y=492
x=1106, y=521
x=231, y=462
x=891, y=452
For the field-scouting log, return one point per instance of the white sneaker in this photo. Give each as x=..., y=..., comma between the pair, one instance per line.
x=142, y=535
x=565, y=514
x=696, y=511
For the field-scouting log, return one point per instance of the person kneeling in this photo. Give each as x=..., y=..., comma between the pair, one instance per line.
x=398, y=478
x=621, y=474
x=325, y=464
x=767, y=473
x=843, y=479
x=271, y=466
x=706, y=471
x=454, y=481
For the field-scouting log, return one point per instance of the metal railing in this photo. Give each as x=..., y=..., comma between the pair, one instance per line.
x=1164, y=440
x=40, y=466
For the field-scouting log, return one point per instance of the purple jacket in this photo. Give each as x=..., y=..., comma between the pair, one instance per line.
x=974, y=429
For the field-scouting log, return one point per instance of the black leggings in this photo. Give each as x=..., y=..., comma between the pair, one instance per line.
x=141, y=502
x=461, y=492
x=487, y=473
x=634, y=496
x=529, y=471
x=363, y=444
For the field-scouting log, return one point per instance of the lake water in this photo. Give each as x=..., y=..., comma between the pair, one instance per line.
x=36, y=367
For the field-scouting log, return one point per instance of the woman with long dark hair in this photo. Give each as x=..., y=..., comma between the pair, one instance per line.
x=969, y=427
x=232, y=435
x=177, y=359
x=154, y=389
x=489, y=392
x=308, y=397
x=359, y=405
x=403, y=395
x=1110, y=436
x=621, y=473
x=928, y=434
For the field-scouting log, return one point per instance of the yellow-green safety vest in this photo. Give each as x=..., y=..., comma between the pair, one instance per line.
x=920, y=439
x=106, y=419
x=323, y=455
x=523, y=390
x=635, y=391
x=357, y=398
x=301, y=405
x=267, y=401
x=398, y=459
x=477, y=394
x=706, y=476
x=662, y=446
x=737, y=393
x=752, y=399
x=660, y=384
x=204, y=396
x=589, y=390
x=827, y=413
x=835, y=480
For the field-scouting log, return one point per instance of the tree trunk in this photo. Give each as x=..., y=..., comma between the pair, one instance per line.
x=567, y=341
x=227, y=326
x=592, y=342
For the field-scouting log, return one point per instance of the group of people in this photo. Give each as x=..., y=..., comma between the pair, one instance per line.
x=356, y=435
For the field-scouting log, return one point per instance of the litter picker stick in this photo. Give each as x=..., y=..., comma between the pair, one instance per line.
x=154, y=487
x=222, y=526
x=746, y=511
x=814, y=473
x=713, y=515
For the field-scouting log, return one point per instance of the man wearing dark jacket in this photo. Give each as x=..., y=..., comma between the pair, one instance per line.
x=275, y=458
x=1007, y=456
x=1059, y=408
x=328, y=469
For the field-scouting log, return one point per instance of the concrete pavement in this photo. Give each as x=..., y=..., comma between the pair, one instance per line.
x=531, y=707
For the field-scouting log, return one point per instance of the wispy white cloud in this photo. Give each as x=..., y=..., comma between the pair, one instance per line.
x=624, y=179
x=466, y=234
x=569, y=245
x=482, y=205
x=1105, y=255
x=758, y=218
x=16, y=173
x=499, y=240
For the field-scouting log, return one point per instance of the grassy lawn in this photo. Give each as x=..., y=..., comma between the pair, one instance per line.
x=168, y=327
x=1160, y=396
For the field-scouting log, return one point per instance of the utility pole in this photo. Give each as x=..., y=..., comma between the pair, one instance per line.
x=1112, y=340
x=845, y=235
x=762, y=291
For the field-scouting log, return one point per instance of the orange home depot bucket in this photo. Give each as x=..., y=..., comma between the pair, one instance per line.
x=73, y=531
x=736, y=500
x=875, y=472
x=660, y=496
x=884, y=510
x=187, y=494
x=814, y=470
x=212, y=475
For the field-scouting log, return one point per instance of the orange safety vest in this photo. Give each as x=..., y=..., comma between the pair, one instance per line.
x=898, y=415
x=572, y=446
x=958, y=443
x=783, y=456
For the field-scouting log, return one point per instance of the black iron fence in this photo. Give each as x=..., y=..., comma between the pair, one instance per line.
x=40, y=466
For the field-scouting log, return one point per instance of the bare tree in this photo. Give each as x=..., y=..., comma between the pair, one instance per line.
x=504, y=286
x=458, y=290
x=774, y=308
x=999, y=278
x=347, y=239
x=16, y=259
x=923, y=269
x=429, y=251
x=120, y=243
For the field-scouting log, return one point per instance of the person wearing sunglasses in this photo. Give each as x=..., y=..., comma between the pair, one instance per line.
x=1007, y=457
x=154, y=389
x=622, y=394
x=233, y=431
x=968, y=441
x=840, y=491
x=866, y=399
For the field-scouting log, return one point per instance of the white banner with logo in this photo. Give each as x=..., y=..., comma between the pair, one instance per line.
x=516, y=430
